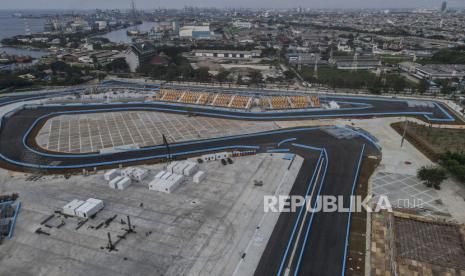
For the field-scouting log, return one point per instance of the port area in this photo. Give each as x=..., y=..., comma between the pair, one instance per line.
x=216, y=227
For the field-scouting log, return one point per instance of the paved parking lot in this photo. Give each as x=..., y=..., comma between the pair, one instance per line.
x=407, y=191
x=94, y=132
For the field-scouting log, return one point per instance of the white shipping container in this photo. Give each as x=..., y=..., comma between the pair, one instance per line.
x=109, y=175
x=171, y=166
x=166, y=175
x=190, y=169
x=114, y=181
x=160, y=174
x=127, y=172
x=70, y=208
x=166, y=185
x=123, y=183
x=95, y=201
x=179, y=168
x=139, y=174
x=89, y=208
x=199, y=177
x=176, y=179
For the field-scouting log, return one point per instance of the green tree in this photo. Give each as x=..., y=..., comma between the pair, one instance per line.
x=203, y=75
x=256, y=77
x=432, y=176
x=222, y=76
x=118, y=65
x=399, y=84
x=423, y=86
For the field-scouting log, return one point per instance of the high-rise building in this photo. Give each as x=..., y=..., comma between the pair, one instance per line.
x=444, y=6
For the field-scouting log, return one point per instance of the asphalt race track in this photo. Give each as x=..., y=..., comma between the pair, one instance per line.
x=302, y=243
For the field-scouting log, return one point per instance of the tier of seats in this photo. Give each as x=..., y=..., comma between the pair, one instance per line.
x=240, y=101
x=222, y=100
x=299, y=101
x=315, y=101
x=279, y=102
x=236, y=101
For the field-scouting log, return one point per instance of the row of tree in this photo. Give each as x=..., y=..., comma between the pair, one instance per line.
x=360, y=79
x=455, y=164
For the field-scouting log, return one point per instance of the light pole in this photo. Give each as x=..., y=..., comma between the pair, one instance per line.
x=405, y=132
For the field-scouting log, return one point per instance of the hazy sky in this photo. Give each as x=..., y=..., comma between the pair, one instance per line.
x=149, y=4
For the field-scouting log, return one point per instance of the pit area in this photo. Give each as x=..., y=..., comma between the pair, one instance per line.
x=199, y=229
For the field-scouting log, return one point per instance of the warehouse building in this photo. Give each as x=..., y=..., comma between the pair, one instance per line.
x=228, y=54
x=434, y=71
x=196, y=32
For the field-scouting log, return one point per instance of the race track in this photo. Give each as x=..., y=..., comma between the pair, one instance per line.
x=331, y=165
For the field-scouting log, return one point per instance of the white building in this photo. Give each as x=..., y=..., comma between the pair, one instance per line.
x=242, y=24
x=196, y=32
x=228, y=54
x=101, y=25
x=138, y=54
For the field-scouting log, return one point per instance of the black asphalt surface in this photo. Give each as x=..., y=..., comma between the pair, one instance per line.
x=324, y=249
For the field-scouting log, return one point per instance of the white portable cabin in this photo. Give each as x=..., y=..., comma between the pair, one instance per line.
x=70, y=208
x=113, y=183
x=160, y=174
x=171, y=166
x=199, y=177
x=166, y=185
x=179, y=168
x=190, y=169
x=127, y=172
x=139, y=174
x=166, y=175
x=123, y=183
x=109, y=175
x=89, y=208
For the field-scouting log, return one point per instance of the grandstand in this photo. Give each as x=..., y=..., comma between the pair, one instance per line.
x=190, y=97
x=241, y=102
x=315, y=101
x=237, y=101
x=222, y=100
x=280, y=102
x=299, y=101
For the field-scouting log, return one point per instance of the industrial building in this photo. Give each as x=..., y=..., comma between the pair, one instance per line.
x=196, y=32
x=434, y=71
x=138, y=54
x=228, y=54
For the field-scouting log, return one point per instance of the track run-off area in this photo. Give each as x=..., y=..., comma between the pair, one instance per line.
x=302, y=243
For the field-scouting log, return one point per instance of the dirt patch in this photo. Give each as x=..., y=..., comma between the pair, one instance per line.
x=357, y=236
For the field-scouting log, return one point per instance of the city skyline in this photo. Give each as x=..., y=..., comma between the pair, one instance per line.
x=272, y=4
